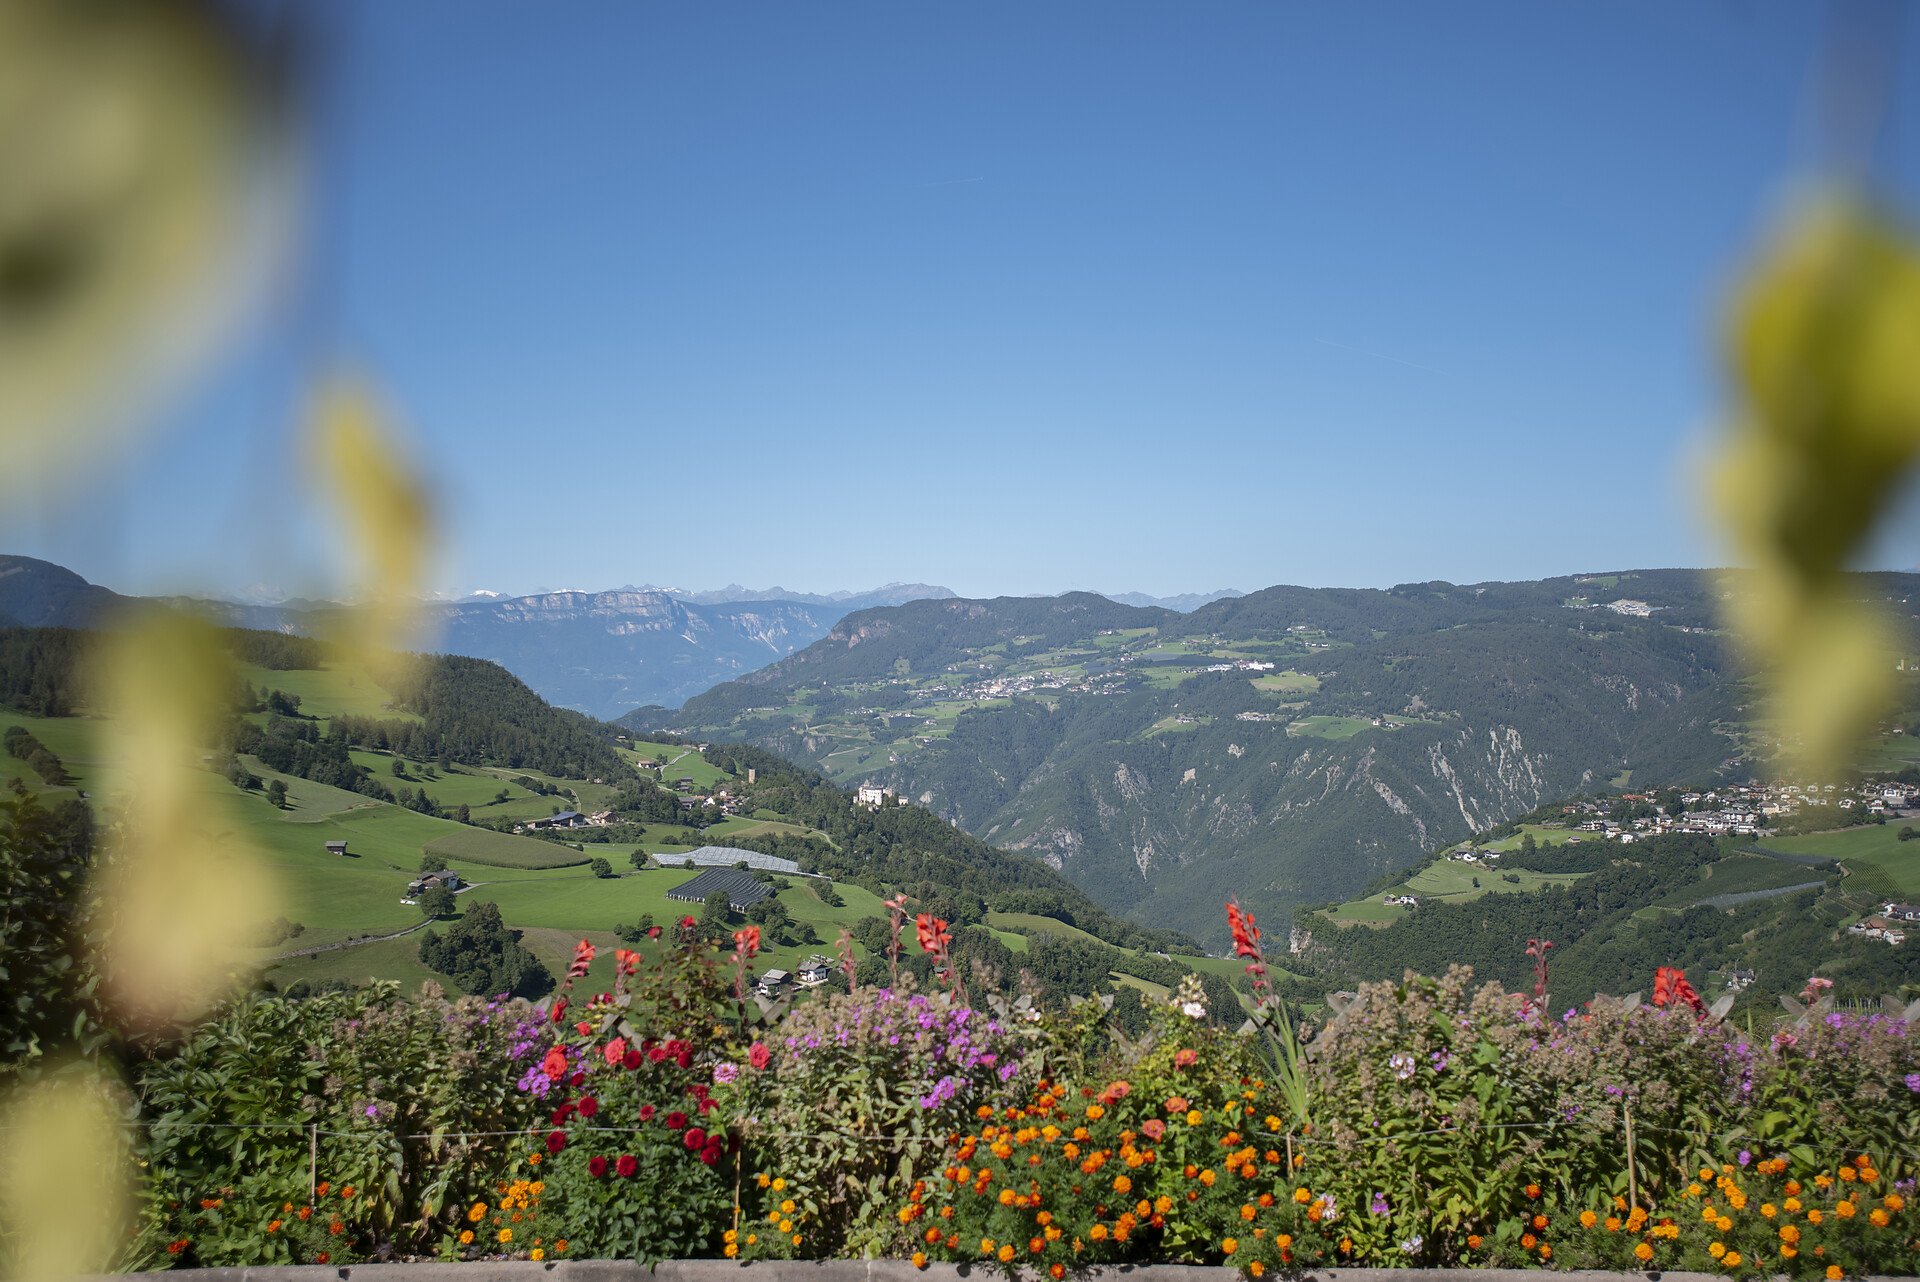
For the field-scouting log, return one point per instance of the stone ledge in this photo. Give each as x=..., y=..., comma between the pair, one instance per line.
x=859, y=1271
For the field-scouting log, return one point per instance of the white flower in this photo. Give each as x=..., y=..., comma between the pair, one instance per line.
x=1193, y=1010
x=1402, y=1065
x=1412, y=1245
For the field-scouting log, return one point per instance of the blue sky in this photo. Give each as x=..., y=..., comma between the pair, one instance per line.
x=1011, y=298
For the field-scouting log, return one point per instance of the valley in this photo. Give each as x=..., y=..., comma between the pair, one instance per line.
x=1293, y=743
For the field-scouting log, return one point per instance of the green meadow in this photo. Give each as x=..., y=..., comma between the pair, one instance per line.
x=1328, y=727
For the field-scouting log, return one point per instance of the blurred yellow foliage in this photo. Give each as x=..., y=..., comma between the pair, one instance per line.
x=173, y=888
x=389, y=521
x=63, y=1177
x=1825, y=349
x=133, y=222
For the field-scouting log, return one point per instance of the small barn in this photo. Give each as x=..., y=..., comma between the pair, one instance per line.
x=336, y=847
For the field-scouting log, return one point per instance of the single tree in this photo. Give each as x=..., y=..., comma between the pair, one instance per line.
x=715, y=911
x=277, y=794
x=638, y=859
x=436, y=902
x=464, y=815
x=599, y=867
x=430, y=862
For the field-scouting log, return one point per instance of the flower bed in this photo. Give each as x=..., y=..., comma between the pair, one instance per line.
x=1435, y=1123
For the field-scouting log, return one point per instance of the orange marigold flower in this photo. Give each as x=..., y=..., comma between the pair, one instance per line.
x=1844, y=1209
x=1473, y=1241
x=1835, y=1273
x=1058, y=1270
x=1643, y=1252
x=1877, y=1217
x=1098, y=1232
x=1588, y=1219
x=1229, y=1245
x=1527, y=1240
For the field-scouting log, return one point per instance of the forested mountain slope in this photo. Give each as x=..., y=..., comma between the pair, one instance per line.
x=1094, y=735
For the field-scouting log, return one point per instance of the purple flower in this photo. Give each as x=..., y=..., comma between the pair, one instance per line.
x=373, y=1110
x=1745, y=1157
x=1379, y=1204
x=1913, y=1081
x=724, y=1072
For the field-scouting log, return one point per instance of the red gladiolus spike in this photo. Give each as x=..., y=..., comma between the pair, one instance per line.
x=746, y=942
x=1246, y=936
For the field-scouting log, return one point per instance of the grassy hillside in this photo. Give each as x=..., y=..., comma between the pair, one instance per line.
x=1616, y=913
x=384, y=763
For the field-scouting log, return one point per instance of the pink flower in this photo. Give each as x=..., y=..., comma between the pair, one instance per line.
x=1153, y=1128
x=758, y=1055
x=616, y=1051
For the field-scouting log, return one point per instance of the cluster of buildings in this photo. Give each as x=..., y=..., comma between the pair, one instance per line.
x=1744, y=809
x=569, y=819
x=1891, y=924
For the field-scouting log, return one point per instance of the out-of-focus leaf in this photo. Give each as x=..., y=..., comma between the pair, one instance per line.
x=63, y=1177
x=176, y=883
x=1826, y=358
x=134, y=219
x=388, y=520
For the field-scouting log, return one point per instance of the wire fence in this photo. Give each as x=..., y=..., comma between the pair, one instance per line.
x=1295, y=1138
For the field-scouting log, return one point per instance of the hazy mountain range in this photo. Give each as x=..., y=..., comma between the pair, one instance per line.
x=601, y=653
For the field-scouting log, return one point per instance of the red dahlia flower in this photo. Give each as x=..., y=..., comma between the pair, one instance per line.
x=596, y=1167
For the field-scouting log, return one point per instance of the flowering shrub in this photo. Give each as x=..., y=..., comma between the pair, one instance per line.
x=246, y=1221
x=1753, y=1220
x=862, y=1092
x=411, y=1098
x=634, y=1146
x=515, y=1227
x=1163, y=1161
x=779, y=1218
x=1444, y=1118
